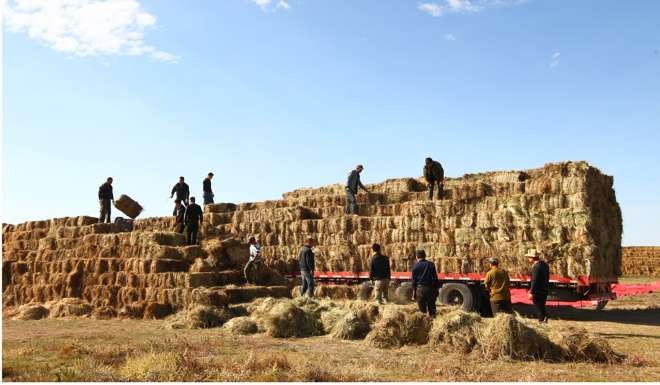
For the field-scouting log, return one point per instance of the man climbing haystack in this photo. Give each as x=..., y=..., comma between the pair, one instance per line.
x=253, y=260
x=352, y=184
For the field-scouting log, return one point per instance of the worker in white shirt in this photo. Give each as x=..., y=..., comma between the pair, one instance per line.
x=253, y=261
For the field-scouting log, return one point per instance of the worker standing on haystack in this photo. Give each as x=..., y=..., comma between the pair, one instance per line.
x=497, y=283
x=539, y=285
x=306, y=257
x=193, y=218
x=425, y=284
x=208, y=192
x=253, y=260
x=352, y=185
x=182, y=191
x=180, y=217
x=105, y=196
x=379, y=274
x=434, y=174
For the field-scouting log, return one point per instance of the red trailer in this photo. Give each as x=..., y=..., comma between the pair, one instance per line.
x=468, y=290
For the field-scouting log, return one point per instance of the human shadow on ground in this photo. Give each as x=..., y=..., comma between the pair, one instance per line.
x=649, y=317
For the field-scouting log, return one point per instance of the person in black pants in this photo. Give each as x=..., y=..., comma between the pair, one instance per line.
x=434, y=174
x=538, y=289
x=105, y=196
x=425, y=284
x=180, y=217
x=193, y=219
x=307, y=267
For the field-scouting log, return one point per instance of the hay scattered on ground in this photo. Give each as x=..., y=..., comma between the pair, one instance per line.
x=505, y=336
x=330, y=318
x=351, y=326
x=150, y=367
x=31, y=312
x=287, y=319
x=578, y=344
x=199, y=317
x=457, y=329
x=399, y=326
x=70, y=307
x=511, y=337
x=241, y=326
x=104, y=312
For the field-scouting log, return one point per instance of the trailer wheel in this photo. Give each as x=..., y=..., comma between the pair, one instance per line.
x=457, y=294
x=600, y=305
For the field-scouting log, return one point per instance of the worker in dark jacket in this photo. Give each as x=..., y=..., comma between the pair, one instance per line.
x=182, y=191
x=208, y=192
x=425, y=284
x=352, y=184
x=434, y=174
x=539, y=286
x=379, y=274
x=193, y=220
x=497, y=283
x=180, y=216
x=306, y=258
x=105, y=196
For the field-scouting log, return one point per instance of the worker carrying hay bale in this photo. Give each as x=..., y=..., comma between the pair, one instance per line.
x=128, y=206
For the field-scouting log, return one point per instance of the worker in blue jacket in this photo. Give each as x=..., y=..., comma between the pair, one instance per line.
x=539, y=285
x=425, y=284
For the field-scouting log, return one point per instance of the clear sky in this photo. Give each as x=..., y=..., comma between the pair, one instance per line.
x=276, y=95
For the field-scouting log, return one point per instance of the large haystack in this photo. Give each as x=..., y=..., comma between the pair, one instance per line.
x=566, y=210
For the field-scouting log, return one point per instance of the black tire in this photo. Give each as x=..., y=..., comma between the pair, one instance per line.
x=457, y=294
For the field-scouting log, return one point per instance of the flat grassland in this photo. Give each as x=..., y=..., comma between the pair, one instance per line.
x=120, y=350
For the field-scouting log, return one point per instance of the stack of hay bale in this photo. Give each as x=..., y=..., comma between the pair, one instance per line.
x=641, y=261
x=144, y=273
x=566, y=210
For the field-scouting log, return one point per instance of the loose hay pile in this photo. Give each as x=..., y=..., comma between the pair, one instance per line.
x=199, y=317
x=579, y=345
x=241, y=326
x=511, y=337
x=399, y=326
x=506, y=336
x=457, y=330
x=351, y=326
x=70, y=307
x=31, y=312
x=286, y=319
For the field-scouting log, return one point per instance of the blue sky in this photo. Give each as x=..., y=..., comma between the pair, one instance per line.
x=277, y=95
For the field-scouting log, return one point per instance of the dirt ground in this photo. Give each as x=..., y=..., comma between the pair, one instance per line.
x=119, y=350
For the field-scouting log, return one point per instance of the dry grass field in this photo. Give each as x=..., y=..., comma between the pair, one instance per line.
x=120, y=350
